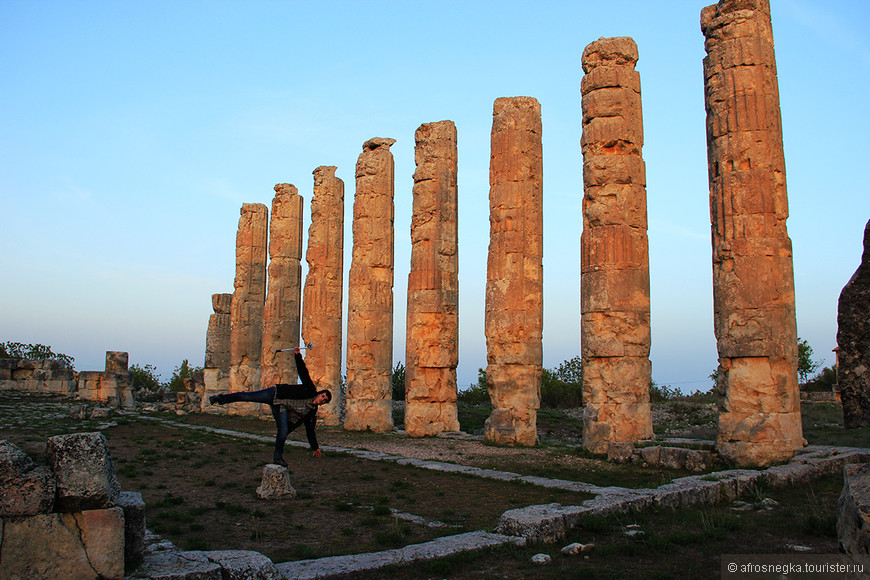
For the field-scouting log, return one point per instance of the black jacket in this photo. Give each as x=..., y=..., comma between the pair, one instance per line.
x=306, y=390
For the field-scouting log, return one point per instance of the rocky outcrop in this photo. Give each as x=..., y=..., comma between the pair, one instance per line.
x=614, y=281
x=27, y=489
x=853, y=339
x=514, y=273
x=370, y=293
x=753, y=281
x=432, y=338
x=83, y=470
x=322, y=306
x=284, y=296
x=249, y=297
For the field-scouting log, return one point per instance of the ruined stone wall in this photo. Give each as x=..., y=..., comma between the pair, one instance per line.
x=284, y=296
x=322, y=307
x=853, y=338
x=432, y=339
x=370, y=292
x=37, y=376
x=614, y=288
x=249, y=297
x=514, y=273
x=753, y=281
x=217, y=338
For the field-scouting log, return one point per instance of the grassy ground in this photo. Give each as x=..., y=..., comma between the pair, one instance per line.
x=199, y=490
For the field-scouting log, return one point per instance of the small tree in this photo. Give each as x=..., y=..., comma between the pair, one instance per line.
x=476, y=393
x=20, y=350
x=144, y=377
x=806, y=364
x=398, y=382
x=184, y=371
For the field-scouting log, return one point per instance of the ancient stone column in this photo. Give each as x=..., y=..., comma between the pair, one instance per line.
x=217, y=337
x=753, y=281
x=853, y=338
x=514, y=272
x=284, y=296
x=432, y=338
x=321, y=311
x=614, y=280
x=249, y=297
x=370, y=293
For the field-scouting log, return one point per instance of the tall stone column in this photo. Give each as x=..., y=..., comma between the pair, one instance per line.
x=432, y=339
x=753, y=281
x=284, y=296
x=321, y=312
x=853, y=340
x=514, y=272
x=370, y=293
x=249, y=297
x=614, y=281
x=217, y=338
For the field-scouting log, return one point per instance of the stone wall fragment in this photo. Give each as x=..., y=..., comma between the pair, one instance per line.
x=432, y=337
x=217, y=338
x=514, y=273
x=85, y=474
x=753, y=280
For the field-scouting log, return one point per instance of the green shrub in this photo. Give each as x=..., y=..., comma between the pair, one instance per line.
x=20, y=350
x=475, y=394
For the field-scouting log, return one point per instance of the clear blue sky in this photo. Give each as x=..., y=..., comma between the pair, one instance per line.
x=132, y=132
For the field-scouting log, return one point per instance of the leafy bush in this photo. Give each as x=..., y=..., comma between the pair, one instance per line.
x=825, y=380
x=475, y=394
x=557, y=394
x=144, y=377
x=659, y=393
x=184, y=371
x=398, y=382
x=20, y=350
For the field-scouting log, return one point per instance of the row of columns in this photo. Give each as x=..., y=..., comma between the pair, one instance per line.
x=753, y=280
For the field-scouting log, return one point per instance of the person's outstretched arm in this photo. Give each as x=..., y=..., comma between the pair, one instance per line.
x=310, y=422
x=302, y=371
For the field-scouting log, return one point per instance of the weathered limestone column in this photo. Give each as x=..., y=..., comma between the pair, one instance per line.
x=249, y=297
x=614, y=281
x=853, y=338
x=753, y=281
x=514, y=272
x=432, y=339
x=370, y=293
x=284, y=296
x=321, y=312
x=217, y=337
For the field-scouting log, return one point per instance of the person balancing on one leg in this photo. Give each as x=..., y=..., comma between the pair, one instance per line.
x=291, y=406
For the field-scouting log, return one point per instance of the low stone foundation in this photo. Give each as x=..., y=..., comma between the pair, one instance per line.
x=696, y=460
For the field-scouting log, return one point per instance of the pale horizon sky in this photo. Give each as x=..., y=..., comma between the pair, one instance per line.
x=132, y=132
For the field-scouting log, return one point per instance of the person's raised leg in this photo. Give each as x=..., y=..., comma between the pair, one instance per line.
x=261, y=396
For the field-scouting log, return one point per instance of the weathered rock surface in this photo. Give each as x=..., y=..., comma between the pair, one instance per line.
x=216, y=565
x=249, y=298
x=853, y=510
x=84, y=545
x=614, y=287
x=853, y=339
x=133, y=505
x=275, y=483
x=753, y=281
x=84, y=472
x=26, y=488
x=432, y=337
x=370, y=293
x=514, y=273
x=284, y=296
x=322, y=306
x=217, y=338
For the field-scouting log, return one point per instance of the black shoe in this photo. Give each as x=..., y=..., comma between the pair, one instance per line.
x=216, y=400
x=280, y=461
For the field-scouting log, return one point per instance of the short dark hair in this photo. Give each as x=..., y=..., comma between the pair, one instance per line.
x=327, y=393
